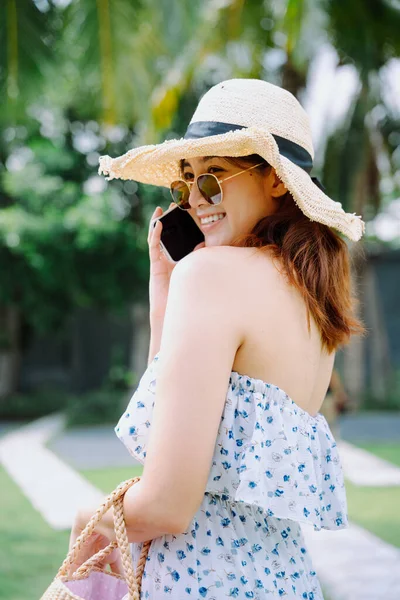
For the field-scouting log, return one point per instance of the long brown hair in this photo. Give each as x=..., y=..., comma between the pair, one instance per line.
x=315, y=259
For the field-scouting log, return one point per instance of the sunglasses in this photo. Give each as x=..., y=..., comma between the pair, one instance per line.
x=208, y=185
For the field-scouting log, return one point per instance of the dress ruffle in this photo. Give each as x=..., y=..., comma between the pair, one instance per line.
x=269, y=452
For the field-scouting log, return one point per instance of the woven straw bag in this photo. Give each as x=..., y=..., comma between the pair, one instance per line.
x=90, y=581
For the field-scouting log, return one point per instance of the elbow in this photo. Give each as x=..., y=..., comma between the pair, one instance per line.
x=146, y=509
x=181, y=525
x=158, y=521
x=144, y=513
x=171, y=521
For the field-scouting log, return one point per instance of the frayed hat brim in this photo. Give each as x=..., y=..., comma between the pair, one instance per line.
x=160, y=165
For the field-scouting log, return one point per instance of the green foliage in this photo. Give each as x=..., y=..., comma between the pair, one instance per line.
x=61, y=246
x=377, y=23
x=27, y=407
x=26, y=37
x=120, y=377
x=95, y=408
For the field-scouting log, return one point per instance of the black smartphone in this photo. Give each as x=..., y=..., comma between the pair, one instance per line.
x=180, y=233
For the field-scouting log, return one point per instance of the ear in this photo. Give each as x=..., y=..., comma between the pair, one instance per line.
x=277, y=188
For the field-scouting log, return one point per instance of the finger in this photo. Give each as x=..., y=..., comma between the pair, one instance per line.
x=154, y=245
x=157, y=213
x=201, y=245
x=116, y=567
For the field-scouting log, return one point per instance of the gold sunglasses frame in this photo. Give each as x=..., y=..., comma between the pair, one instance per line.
x=219, y=181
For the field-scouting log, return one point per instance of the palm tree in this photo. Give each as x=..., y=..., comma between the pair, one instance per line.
x=25, y=40
x=362, y=142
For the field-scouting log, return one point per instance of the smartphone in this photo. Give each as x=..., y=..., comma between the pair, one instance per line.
x=180, y=233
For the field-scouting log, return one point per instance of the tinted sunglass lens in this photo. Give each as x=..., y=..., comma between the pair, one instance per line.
x=180, y=194
x=209, y=188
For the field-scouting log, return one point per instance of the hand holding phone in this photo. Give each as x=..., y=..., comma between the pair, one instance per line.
x=180, y=233
x=161, y=264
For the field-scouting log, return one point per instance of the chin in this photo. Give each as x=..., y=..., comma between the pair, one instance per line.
x=222, y=242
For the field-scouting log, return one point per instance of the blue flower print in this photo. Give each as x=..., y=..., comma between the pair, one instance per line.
x=270, y=458
x=175, y=575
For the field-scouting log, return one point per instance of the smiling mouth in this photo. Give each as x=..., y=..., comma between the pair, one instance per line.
x=209, y=224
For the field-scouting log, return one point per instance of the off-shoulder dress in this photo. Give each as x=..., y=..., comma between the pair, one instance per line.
x=274, y=467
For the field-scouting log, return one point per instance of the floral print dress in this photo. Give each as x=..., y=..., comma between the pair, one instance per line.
x=274, y=467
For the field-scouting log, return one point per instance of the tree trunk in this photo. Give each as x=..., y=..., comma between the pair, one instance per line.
x=354, y=352
x=141, y=338
x=380, y=364
x=10, y=353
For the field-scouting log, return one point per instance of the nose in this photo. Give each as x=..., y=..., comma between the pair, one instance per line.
x=195, y=197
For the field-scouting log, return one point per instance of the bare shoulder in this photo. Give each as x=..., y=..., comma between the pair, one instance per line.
x=236, y=275
x=233, y=279
x=232, y=260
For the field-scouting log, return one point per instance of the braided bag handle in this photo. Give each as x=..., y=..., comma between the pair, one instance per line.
x=133, y=580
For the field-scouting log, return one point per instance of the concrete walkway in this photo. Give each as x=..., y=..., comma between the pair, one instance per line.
x=365, y=469
x=55, y=489
x=352, y=564
x=98, y=447
x=91, y=448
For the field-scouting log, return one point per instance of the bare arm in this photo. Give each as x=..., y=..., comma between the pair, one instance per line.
x=156, y=328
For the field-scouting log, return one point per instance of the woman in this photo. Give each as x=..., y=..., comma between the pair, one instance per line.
x=243, y=338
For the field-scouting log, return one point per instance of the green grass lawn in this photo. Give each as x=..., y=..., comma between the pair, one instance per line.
x=30, y=551
x=108, y=479
x=377, y=509
x=372, y=508
x=390, y=452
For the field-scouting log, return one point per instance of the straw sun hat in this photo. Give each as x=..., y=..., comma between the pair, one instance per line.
x=239, y=117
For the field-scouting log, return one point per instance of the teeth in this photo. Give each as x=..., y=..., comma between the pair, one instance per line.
x=211, y=219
